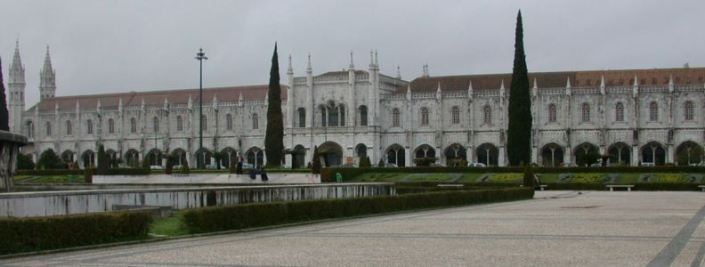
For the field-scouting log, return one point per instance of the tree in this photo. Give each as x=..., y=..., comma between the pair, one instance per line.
x=274, y=138
x=169, y=164
x=4, y=114
x=102, y=161
x=519, y=131
x=24, y=162
x=316, y=166
x=49, y=160
x=528, y=179
x=217, y=156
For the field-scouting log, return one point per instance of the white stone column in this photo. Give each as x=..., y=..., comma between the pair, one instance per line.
x=501, y=161
x=636, y=157
x=407, y=157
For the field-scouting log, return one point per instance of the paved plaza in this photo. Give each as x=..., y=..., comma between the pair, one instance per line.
x=557, y=228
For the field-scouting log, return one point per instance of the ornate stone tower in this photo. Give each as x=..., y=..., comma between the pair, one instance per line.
x=16, y=85
x=47, y=79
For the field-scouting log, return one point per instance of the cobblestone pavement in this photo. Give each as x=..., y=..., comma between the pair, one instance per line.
x=557, y=228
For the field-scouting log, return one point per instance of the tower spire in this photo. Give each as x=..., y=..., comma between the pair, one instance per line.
x=351, y=66
x=290, y=69
x=47, y=78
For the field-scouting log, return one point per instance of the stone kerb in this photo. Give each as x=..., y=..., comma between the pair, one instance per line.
x=10, y=144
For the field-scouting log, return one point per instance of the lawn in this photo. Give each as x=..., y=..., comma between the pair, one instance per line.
x=50, y=179
x=170, y=226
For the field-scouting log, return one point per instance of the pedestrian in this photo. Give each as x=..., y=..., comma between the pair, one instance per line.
x=264, y=175
x=238, y=169
x=253, y=174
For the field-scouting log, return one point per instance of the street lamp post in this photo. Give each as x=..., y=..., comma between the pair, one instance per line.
x=200, y=56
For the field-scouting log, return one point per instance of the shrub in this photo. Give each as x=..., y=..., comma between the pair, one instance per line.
x=263, y=214
x=145, y=164
x=88, y=175
x=365, y=162
x=184, y=167
x=49, y=161
x=424, y=162
x=528, y=177
x=42, y=233
x=380, y=164
x=24, y=162
x=102, y=161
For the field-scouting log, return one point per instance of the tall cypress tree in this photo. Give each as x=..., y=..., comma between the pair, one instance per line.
x=274, y=138
x=4, y=114
x=519, y=132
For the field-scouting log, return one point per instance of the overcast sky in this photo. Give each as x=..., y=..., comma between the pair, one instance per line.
x=126, y=45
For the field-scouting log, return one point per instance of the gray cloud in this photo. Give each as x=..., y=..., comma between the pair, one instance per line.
x=108, y=46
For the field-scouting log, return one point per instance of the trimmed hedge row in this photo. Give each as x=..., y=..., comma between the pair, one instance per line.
x=43, y=233
x=328, y=174
x=263, y=214
x=119, y=171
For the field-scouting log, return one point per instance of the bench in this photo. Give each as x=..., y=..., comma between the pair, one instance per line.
x=627, y=186
x=702, y=187
x=543, y=186
x=451, y=185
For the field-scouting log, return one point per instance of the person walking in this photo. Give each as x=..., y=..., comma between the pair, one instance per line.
x=263, y=173
x=253, y=174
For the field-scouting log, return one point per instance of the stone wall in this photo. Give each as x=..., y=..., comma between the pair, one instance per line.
x=31, y=204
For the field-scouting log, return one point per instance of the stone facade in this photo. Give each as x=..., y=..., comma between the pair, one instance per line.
x=635, y=116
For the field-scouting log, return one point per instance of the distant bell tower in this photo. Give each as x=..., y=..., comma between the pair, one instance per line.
x=16, y=85
x=47, y=79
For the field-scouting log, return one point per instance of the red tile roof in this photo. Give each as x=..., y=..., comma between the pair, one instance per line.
x=156, y=98
x=681, y=76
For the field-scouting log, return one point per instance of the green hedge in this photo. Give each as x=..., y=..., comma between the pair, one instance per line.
x=263, y=214
x=328, y=174
x=43, y=233
x=120, y=171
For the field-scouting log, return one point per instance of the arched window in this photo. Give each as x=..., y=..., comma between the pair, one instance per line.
x=89, y=127
x=455, y=114
x=395, y=118
x=341, y=112
x=229, y=122
x=111, y=126
x=424, y=116
x=302, y=117
x=619, y=112
x=48, y=128
x=179, y=124
x=487, y=114
x=586, y=112
x=255, y=121
x=204, y=122
x=155, y=124
x=324, y=116
x=653, y=111
x=363, y=115
x=133, y=125
x=689, y=110
x=69, y=128
x=552, y=113
x=30, y=129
